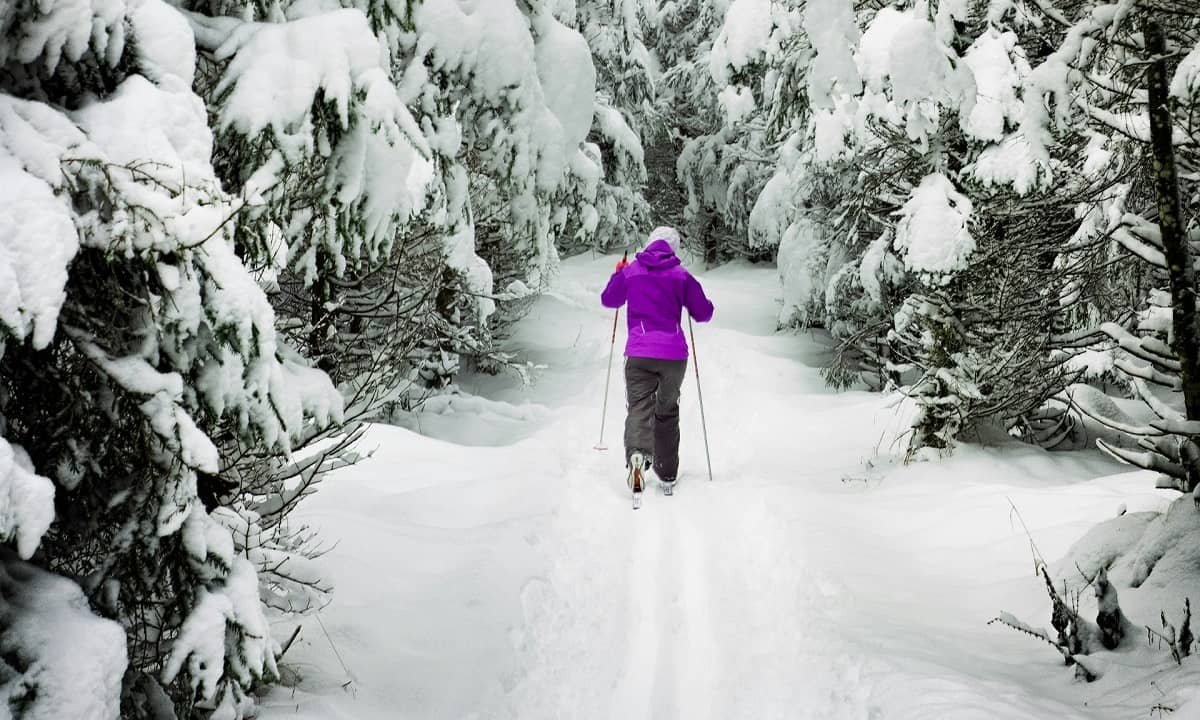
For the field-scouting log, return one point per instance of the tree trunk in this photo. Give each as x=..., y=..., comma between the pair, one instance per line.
x=319, y=320
x=1170, y=219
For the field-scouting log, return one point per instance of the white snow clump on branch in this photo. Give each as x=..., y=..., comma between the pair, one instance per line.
x=73, y=660
x=932, y=234
x=999, y=68
x=743, y=38
x=26, y=500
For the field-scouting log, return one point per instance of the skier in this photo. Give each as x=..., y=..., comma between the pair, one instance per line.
x=657, y=289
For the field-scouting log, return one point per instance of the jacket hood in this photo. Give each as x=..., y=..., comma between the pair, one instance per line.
x=659, y=255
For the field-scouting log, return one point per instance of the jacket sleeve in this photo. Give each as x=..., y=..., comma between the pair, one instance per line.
x=614, y=294
x=698, y=304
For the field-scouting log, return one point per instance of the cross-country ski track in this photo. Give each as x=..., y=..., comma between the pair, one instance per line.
x=488, y=563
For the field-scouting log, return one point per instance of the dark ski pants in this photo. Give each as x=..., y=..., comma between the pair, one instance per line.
x=652, y=401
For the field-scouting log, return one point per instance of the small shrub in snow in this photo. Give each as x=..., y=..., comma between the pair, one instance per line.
x=1108, y=615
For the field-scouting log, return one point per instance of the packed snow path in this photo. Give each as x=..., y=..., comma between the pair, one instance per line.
x=488, y=563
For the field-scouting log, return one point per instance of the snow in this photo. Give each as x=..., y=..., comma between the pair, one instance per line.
x=201, y=643
x=379, y=167
x=742, y=39
x=997, y=78
x=738, y=102
x=567, y=77
x=166, y=47
x=803, y=251
x=491, y=567
x=58, y=31
x=1014, y=162
x=37, y=242
x=932, y=233
x=829, y=133
x=388, y=176
x=262, y=53
x=1186, y=82
x=905, y=61
x=874, y=49
x=69, y=662
x=460, y=255
x=830, y=27
x=919, y=75
x=769, y=217
x=542, y=67
x=874, y=263
x=38, y=238
x=490, y=40
x=536, y=74
x=1097, y=156
x=26, y=500
x=616, y=129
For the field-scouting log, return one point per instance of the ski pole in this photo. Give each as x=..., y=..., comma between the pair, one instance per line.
x=608, y=378
x=700, y=395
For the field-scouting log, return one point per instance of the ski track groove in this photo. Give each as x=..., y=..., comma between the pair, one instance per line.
x=698, y=647
x=637, y=682
x=669, y=669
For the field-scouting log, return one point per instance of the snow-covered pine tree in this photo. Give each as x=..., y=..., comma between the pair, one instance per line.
x=397, y=281
x=923, y=111
x=504, y=93
x=819, y=210
x=1129, y=333
x=680, y=36
x=624, y=113
x=329, y=176
x=757, y=64
x=136, y=348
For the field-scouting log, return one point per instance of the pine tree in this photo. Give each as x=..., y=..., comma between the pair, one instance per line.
x=137, y=349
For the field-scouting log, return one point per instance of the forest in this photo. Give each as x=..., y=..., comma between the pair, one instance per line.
x=237, y=235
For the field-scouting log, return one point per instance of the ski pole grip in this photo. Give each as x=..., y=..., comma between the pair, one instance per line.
x=617, y=314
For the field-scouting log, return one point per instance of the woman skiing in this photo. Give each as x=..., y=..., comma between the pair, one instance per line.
x=657, y=288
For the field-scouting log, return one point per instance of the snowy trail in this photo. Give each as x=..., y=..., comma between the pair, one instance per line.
x=671, y=666
x=815, y=577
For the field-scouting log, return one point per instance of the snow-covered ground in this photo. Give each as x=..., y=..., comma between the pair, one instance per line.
x=488, y=564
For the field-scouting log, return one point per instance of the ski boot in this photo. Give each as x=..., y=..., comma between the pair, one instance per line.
x=638, y=465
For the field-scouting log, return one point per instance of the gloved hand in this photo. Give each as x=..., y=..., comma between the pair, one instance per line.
x=622, y=263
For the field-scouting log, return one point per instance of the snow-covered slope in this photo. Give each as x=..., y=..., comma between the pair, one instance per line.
x=492, y=567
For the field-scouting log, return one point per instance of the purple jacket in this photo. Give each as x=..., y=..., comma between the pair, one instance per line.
x=657, y=289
